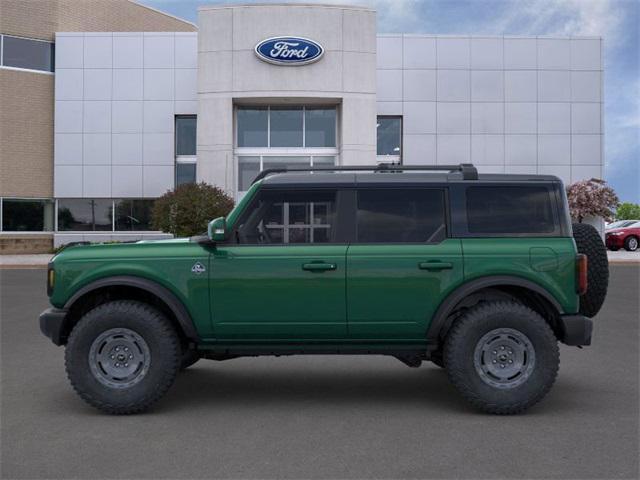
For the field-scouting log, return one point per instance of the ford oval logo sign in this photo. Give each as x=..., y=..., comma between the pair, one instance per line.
x=289, y=51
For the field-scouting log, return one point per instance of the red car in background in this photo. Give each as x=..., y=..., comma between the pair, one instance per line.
x=626, y=237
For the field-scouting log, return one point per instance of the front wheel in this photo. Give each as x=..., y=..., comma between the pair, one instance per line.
x=631, y=244
x=122, y=356
x=502, y=356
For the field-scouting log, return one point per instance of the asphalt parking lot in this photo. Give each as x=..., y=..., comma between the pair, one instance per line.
x=319, y=417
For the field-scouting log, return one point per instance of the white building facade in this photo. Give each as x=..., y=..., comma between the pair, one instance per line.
x=128, y=106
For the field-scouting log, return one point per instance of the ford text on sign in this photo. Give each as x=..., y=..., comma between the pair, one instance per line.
x=289, y=51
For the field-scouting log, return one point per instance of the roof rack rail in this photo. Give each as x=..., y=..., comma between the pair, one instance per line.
x=469, y=172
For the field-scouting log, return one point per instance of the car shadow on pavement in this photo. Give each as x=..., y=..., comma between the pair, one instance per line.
x=210, y=384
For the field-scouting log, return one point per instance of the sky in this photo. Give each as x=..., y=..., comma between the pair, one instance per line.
x=617, y=21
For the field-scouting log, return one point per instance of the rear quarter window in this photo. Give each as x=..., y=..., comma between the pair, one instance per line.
x=514, y=209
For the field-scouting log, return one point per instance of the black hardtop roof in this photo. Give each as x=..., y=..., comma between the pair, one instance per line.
x=308, y=179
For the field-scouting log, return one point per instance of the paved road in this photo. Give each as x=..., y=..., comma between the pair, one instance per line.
x=319, y=417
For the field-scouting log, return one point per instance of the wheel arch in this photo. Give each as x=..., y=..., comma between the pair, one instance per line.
x=134, y=288
x=535, y=296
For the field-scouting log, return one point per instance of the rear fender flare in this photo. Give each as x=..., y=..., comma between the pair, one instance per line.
x=440, y=318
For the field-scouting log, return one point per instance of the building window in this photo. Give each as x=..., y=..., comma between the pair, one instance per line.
x=283, y=136
x=389, y=137
x=186, y=160
x=26, y=53
x=250, y=166
x=133, y=215
x=97, y=215
x=85, y=215
x=26, y=215
x=286, y=127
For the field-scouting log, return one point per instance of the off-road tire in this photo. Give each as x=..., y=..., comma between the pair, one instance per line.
x=589, y=242
x=469, y=330
x=189, y=357
x=630, y=245
x=164, y=350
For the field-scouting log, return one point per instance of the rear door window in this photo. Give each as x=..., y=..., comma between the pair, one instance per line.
x=495, y=209
x=401, y=216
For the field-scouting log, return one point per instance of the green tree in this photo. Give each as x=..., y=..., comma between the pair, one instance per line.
x=628, y=211
x=188, y=209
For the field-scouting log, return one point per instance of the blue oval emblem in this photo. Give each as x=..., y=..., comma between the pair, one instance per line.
x=289, y=50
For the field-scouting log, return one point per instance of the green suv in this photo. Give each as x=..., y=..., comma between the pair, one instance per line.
x=480, y=274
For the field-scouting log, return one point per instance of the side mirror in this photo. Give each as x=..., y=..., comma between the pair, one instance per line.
x=217, y=229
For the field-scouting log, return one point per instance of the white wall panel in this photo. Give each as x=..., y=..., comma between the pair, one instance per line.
x=419, y=52
x=453, y=52
x=453, y=85
x=487, y=117
x=454, y=149
x=97, y=84
x=127, y=51
x=487, y=53
x=96, y=149
x=98, y=51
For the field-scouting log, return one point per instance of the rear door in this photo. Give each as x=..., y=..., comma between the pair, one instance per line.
x=401, y=264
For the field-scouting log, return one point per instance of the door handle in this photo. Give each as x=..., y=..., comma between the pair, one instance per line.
x=319, y=267
x=434, y=266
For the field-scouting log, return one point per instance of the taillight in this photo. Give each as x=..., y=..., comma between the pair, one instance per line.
x=582, y=281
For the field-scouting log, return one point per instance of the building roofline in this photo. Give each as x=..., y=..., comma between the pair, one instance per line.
x=136, y=2
x=286, y=4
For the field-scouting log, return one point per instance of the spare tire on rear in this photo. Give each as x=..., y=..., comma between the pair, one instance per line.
x=590, y=243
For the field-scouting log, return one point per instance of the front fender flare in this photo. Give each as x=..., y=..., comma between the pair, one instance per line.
x=439, y=322
x=169, y=298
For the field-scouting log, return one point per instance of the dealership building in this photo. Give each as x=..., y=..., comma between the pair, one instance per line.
x=131, y=105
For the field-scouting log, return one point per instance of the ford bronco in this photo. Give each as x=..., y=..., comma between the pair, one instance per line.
x=482, y=275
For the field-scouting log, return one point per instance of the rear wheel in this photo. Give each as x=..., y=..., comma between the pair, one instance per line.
x=122, y=356
x=502, y=357
x=588, y=242
x=631, y=244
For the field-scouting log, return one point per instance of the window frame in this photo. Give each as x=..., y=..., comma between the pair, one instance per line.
x=183, y=159
x=303, y=108
x=22, y=69
x=445, y=205
x=386, y=158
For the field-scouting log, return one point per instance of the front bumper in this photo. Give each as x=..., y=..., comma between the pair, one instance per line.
x=53, y=323
x=614, y=241
x=575, y=330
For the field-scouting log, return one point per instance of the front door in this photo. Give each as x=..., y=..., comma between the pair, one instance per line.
x=284, y=275
x=402, y=263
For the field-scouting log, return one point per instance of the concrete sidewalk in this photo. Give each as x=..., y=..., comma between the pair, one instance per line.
x=40, y=261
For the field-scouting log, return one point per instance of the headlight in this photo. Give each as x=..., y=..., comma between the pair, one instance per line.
x=616, y=233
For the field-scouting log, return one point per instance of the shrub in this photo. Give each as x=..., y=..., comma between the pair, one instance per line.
x=628, y=211
x=186, y=210
x=591, y=198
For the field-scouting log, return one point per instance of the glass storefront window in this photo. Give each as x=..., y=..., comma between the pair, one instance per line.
x=253, y=126
x=186, y=135
x=85, y=214
x=185, y=173
x=20, y=52
x=133, y=214
x=320, y=127
x=248, y=168
x=286, y=124
x=27, y=215
x=389, y=133
x=284, y=162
